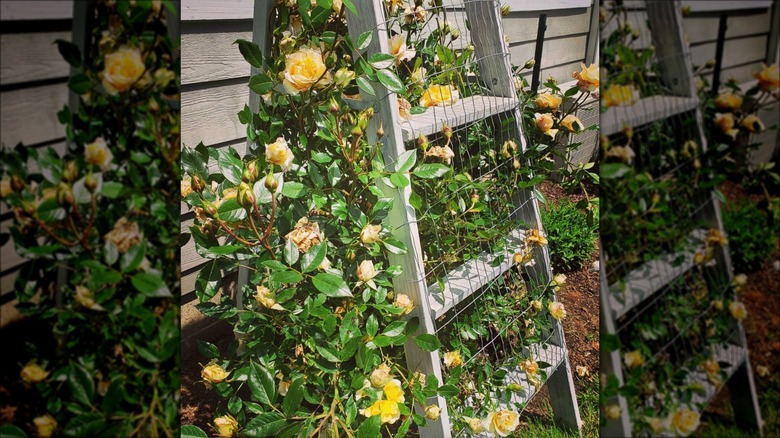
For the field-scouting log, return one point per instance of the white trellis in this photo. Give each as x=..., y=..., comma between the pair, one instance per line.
x=639, y=287
x=463, y=281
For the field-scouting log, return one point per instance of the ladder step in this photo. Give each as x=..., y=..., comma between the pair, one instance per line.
x=472, y=275
x=465, y=110
x=649, y=278
x=646, y=110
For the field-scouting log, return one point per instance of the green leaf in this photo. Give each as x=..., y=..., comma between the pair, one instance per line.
x=152, y=285
x=207, y=349
x=399, y=180
x=261, y=84
x=613, y=170
x=133, y=257
x=312, y=259
x=235, y=404
x=395, y=329
x=224, y=249
x=370, y=427
x=427, y=342
x=79, y=83
x=70, y=52
x=331, y=285
x=230, y=165
x=261, y=384
x=292, y=401
x=394, y=245
x=208, y=281
x=372, y=326
x=286, y=277
x=291, y=252
x=81, y=384
x=251, y=52
x=430, y=170
x=406, y=161
x=230, y=211
x=365, y=39
x=11, y=431
x=381, y=60
x=448, y=391
x=84, y=425
x=391, y=81
x=264, y=425
x=192, y=431
x=294, y=190
x=112, y=189
x=365, y=85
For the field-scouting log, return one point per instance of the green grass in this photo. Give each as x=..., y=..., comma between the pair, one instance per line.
x=768, y=400
x=588, y=399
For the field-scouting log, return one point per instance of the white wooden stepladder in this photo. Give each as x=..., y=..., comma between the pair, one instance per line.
x=495, y=71
x=665, y=21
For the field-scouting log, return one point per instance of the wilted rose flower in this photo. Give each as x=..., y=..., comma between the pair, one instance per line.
x=588, y=77
x=557, y=310
x=366, y=271
x=444, y=153
x=267, y=298
x=633, y=359
x=536, y=305
x=728, y=100
x=186, y=187
x=381, y=376
x=370, y=234
x=305, y=234
x=124, y=235
x=45, y=425
x=5, y=187
x=752, y=123
x=613, y=412
x=213, y=373
x=534, y=237
x=97, y=153
x=279, y=153
x=439, y=95
x=122, y=69
x=404, y=108
x=452, y=359
x=402, y=301
x=399, y=50
x=432, y=412
x=284, y=387
x=86, y=298
x=548, y=101
x=226, y=426
x=502, y=422
x=738, y=310
x=768, y=77
x=304, y=69
x=684, y=422
x=582, y=371
x=33, y=373
x=622, y=153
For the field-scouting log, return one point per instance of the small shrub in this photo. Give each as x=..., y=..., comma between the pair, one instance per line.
x=571, y=239
x=751, y=240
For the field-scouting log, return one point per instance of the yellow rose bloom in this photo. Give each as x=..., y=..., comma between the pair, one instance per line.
x=45, y=425
x=752, y=123
x=613, y=412
x=33, y=373
x=683, y=422
x=304, y=69
x=266, y=298
x=534, y=237
x=121, y=69
x=502, y=422
x=443, y=153
x=617, y=95
x=530, y=367
x=548, y=101
x=572, y=123
x=728, y=100
x=343, y=77
x=381, y=376
x=657, y=425
x=97, y=153
x=545, y=124
x=475, y=425
x=399, y=50
x=762, y=371
x=370, y=234
x=452, y=359
x=279, y=153
x=213, y=373
x=387, y=410
x=5, y=187
x=588, y=77
x=439, y=95
x=768, y=77
x=726, y=124
x=633, y=359
x=557, y=310
x=582, y=371
x=738, y=310
x=402, y=301
x=432, y=412
x=226, y=426
x=305, y=234
x=366, y=271
x=393, y=391
x=186, y=187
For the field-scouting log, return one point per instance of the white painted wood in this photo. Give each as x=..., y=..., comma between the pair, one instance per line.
x=212, y=56
x=222, y=10
x=725, y=5
x=705, y=28
x=549, y=5
x=36, y=10
x=466, y=110
x=30, y=57
x=210, y=115
x=646, y=110
x=29, y=115
x=735, y=52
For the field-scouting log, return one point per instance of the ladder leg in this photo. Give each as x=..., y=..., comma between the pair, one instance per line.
x=563, y=398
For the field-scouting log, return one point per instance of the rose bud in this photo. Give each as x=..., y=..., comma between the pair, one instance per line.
x=197, y=183
x=246, y=197
x=17, y=184
x=90, y=182
x=271, y=183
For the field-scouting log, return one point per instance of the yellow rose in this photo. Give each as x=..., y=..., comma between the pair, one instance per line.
x=304, y=69
x=393, y=391
x=657, y=425
x=726, y=124
x=728, y=100
x=305, y=234
x=370, y=234
x=213, y=373
x=633, y=359
x=502, y=422
x=402, y=301
x=536, y=305
x=163, y=76
x=452, y=359
x=588, y=77
x=617, y=95
x=768, y=77
x=534, y=237
x=683, y=422
x=548, y=100
x=5, y=187
x=381, y=376
x=442, y=152
x=752, y=123
x=738, y=310
x=186, y=187
x=97, y=153
x=509, y=148
x=530, y=367
x=86, y=298
x=279, y=153
x=266, y=298
x=522, y=256
x=613, y=412
x=475, y=425
x=432, y=412
x=284, y=387
x=399, y=50
x=622, y=153
x=366, y=271
x=559, y=279
x=582, y=371
x=45, y=425
x=439, y=95
x=226, y=426
x=418, y=75
x=740, y=280
x=572, y=123
x=762, y=371
x=557, y=310
x=343, y=77
x=387, y=410
x=545, y=124
x=404, y=108
x=33, y=373
x=122, y=69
